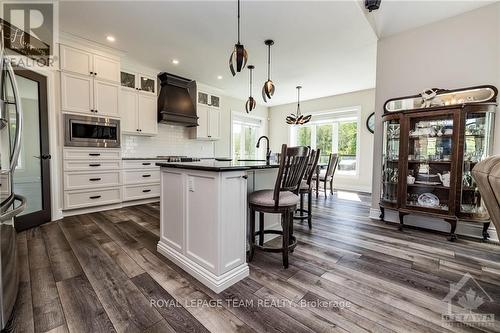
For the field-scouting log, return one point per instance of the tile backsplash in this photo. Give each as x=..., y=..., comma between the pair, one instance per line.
x=171, y=140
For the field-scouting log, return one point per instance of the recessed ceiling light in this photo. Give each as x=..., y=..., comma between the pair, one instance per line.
x=219, y=77
x=175, y=61
x=110, y=38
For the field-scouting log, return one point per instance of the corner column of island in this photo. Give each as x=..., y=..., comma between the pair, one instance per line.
x=203, y=217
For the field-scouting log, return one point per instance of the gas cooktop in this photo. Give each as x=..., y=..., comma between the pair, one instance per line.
x=178, y=158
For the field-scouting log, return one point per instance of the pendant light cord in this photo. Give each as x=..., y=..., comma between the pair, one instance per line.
x=298, y=102
x=269, y=62
x=238, y=21
x=251, y=70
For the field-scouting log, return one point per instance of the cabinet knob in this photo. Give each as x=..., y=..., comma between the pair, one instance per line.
x=95, y=73
x=91, y=73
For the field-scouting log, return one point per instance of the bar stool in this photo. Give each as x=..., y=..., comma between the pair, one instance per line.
x=306, y=188
x=327, y=177
x=282, y=200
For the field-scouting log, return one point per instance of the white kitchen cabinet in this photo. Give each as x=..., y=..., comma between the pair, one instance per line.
x=87, y=95
x=147, y=114
x=77, y=93
x=76, y=60
x=106, y=68
x=208, y=99
x=87, y=63
x=128, y=111
x=208, y=123
x=138, y=113
x=106, y=98
x=138, y=81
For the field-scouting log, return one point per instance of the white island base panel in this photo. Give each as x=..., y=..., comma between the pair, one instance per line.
x=215, y=282
x=203, y=221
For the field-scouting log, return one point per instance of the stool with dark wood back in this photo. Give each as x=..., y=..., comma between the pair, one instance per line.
x=306, y=188
x=282, y=200
x=327, y=177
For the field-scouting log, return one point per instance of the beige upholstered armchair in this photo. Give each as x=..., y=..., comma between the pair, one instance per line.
x=487, y=176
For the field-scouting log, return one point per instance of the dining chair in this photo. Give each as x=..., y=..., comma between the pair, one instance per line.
x=306, y=188
x=283, y=200
x=327, y=176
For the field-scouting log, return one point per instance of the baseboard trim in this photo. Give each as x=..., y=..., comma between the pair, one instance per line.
x=119, y=205
x=217, y=283
x=375, y=214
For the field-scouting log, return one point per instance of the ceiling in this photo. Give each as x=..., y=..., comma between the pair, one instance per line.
x=328, y=47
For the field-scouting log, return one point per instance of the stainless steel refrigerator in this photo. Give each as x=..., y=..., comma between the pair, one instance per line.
x=11, y=204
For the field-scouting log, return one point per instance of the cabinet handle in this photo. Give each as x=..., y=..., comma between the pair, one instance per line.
x=95, y=165
x=95, y=197
x=146, y=191
x=146, y=163
x=94, y=179
x=94, y=154
x=146, y=176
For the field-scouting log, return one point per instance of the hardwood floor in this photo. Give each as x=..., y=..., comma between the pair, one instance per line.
x=100, y=272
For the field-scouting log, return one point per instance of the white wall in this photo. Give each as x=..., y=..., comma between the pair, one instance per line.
x=457, y=52
x=279, y=131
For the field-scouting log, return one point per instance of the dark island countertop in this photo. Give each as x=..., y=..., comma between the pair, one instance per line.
x=219, y=166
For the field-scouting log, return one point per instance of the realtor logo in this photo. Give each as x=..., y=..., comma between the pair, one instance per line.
x=463, y=299
x=29, y=28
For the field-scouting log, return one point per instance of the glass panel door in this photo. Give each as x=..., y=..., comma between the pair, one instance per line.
x=430, y=147
x=478, y=141
x=147, y=84
x=127, y=80
x=390, y=161
x=31, y=178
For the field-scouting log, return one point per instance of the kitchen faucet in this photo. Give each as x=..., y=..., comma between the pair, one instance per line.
x=268, y=151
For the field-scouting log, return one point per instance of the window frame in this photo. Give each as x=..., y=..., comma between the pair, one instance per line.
x=335, y=117
x=260, y=153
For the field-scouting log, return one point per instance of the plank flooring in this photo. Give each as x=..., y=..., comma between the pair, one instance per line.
x=100, y=272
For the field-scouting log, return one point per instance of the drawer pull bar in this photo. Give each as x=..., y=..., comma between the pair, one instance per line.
x=95, y=165
x=146, y=176
x=95, y=197
x=146, y=163
x=146, y=191
x=94, y=154
x=94, y=179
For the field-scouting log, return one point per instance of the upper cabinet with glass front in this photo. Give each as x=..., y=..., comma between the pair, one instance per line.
x=431, y=143
x=137, y=81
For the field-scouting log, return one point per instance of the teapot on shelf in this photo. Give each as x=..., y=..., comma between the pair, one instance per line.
x=445, y=179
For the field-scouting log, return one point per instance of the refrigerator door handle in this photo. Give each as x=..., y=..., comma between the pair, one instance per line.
x=19, y=118
x=11, y=213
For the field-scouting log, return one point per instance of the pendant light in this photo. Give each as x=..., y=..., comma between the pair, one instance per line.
x=239, y=56
x=268, y=88
x=299, y=118
x=250, y=104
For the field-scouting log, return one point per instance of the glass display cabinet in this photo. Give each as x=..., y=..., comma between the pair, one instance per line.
x=429, y=152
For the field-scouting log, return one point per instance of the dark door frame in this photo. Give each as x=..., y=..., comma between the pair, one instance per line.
x=39, y=217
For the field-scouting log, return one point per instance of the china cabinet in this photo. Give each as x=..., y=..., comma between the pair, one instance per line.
x=429, y=152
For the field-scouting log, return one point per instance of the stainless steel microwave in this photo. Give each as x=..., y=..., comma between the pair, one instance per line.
x=82, y=131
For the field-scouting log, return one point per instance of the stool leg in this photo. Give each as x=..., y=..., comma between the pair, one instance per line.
x=331, y=186
x=317, y=187
x=291, y=230
x=261, y=228
x=251, y=237
x=286, y=238
x=326, y=193
x=301, y=204
x=309, y=208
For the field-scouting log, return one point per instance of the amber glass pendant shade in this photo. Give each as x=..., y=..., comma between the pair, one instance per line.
x=239, y=57
x=268, y=88
x=250, y=104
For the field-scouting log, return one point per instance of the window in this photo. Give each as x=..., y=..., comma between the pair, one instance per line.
x=246, y=132
x=333, y=132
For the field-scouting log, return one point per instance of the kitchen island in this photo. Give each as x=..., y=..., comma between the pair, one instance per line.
x=203, y=216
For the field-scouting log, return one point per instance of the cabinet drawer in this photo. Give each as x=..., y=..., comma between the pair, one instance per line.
x=141, y=192
x=92, y=154
x=88, y=180
x=71, y=165
x=81, y=199
x=141, y=164
x=141, y=176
